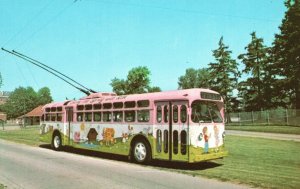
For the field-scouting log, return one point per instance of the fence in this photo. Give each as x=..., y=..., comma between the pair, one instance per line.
x=268, y=117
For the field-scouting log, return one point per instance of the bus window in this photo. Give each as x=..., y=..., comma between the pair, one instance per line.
x=143, y=115
x=183, y=142
x=166, y=114
x=130, y=116
x=53, y=117
x=47, y=109
x=47, y=117
x=158, y=114
x=80, y=116
x=97, y=106
x=88, y=107
x=143, y=103
x=166, y=141
x=175, y=142
x=53, y=109
x=107, y=106
x=118, y=105
x=97, y=116
x=59, y=117
x=118, y=116
x=80, y=107
x=59, y=109
x=106, y=116
x=43, y=117
x=183, y=114
x=175, y=114
x=130, y=104
x=158, y=141
x=88, y=116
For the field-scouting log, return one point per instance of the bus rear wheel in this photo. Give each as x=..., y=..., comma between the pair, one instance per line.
x=141, y=152
x=56, y=143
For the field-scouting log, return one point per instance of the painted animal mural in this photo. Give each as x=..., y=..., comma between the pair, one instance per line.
x=108, y=136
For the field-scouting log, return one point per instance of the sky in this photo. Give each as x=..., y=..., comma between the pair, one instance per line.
x=94, y=41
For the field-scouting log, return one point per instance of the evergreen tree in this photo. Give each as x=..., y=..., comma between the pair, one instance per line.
x=286, y=56
x=253, y=90
x=224, y=74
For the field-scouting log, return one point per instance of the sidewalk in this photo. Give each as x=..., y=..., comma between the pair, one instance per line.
x=275, y=136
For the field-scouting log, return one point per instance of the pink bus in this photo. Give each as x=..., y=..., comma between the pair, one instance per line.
x=182, y=125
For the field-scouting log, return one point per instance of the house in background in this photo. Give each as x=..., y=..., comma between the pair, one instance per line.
x=33, y=117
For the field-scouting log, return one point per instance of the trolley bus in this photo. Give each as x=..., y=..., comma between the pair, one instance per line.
x=182, y=125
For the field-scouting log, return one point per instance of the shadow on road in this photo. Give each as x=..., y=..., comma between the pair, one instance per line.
x=154, y=163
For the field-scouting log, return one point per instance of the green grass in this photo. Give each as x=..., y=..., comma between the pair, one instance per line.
x=2, y=186
x=28, y=135
x=257, y=162
x=266, y=129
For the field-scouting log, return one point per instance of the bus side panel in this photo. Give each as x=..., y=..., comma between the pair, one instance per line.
x=47, y=129
x=109, y=138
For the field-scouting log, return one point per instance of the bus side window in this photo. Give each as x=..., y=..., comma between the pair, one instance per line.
x=118, y=116
x=59, y=117
x=47, y=117
x=88, y=116
x=53, y=117
x=166, y=114
x=43, y=117
x=130, y=116
x=183, y=114
x=143, y=115
x=158, y=114
x=97, y=116
x=106, y=116
x=79, y=116
x=175, y=114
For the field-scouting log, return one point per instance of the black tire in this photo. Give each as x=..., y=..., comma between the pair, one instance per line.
x=141, y=152
x=56, y=143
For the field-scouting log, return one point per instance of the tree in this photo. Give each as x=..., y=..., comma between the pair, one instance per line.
x=253, y=91
x=23, y=100
x=224, y=74
x=194, y=79
x=286, y=55
x=137, y=82
x=20, y=101
x=44, y=96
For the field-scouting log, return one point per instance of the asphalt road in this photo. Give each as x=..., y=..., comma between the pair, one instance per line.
x=23, y=166
x=275, y=136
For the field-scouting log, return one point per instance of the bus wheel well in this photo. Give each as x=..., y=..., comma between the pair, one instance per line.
x=140, y=138
x=55, y=132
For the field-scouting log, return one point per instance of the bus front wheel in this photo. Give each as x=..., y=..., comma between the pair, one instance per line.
x=56, y=142
x=141, y=152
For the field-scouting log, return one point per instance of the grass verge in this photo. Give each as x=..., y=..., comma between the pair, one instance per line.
x=266, y=129
x=2, y=186
x=257, y=162
x=28, y=135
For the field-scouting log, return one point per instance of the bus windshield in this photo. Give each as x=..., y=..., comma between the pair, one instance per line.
x=205, y=112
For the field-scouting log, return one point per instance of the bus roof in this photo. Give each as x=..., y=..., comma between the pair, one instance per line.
x=185, y=94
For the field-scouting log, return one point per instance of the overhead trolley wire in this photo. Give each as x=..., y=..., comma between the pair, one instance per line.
x=16, y=52
x=36, y=64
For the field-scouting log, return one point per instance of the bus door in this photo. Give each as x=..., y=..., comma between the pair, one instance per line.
x=171, y=130
x=69, y=119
